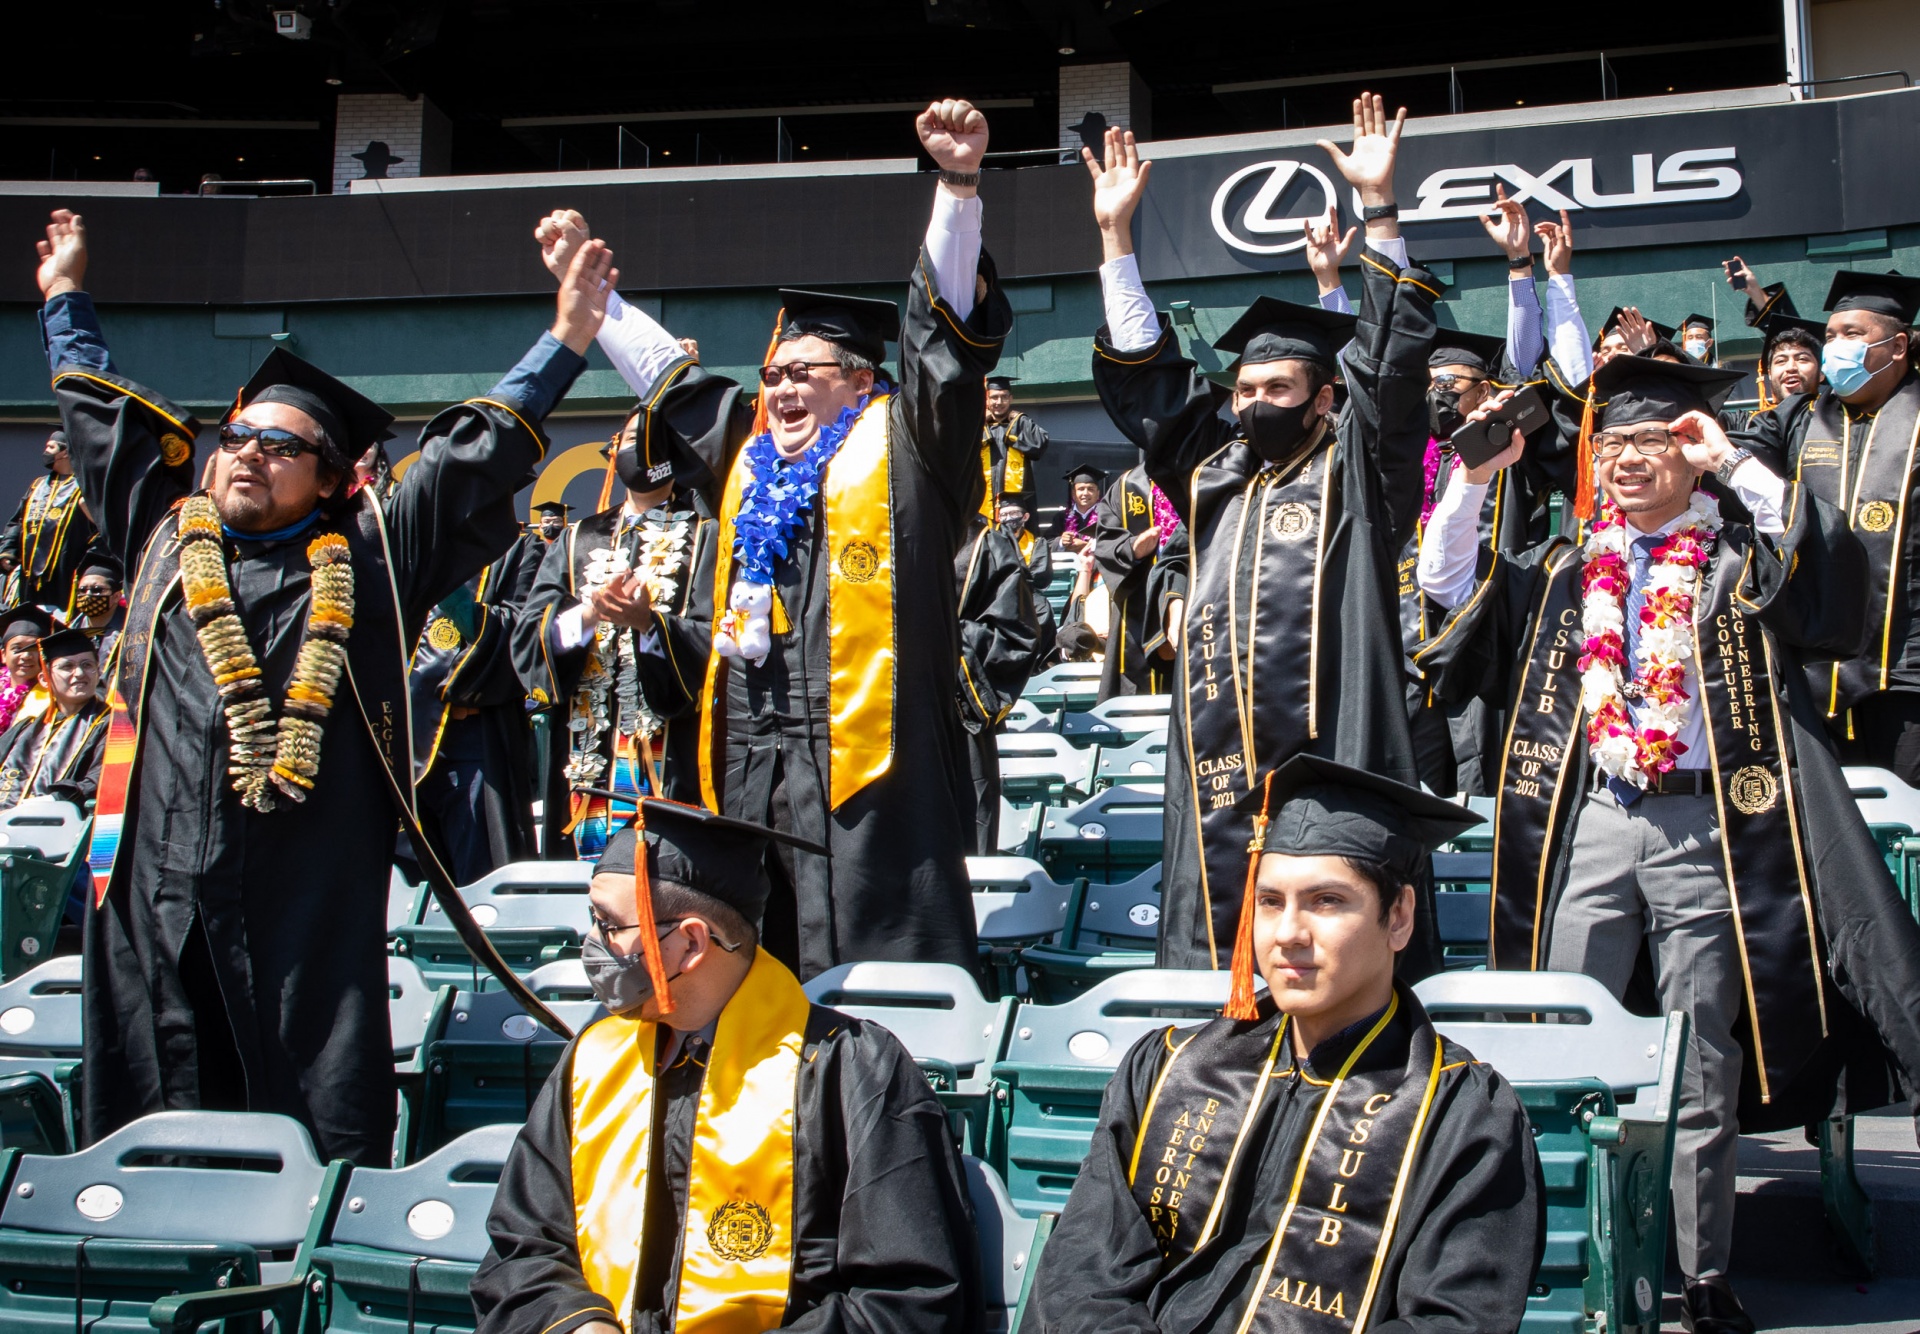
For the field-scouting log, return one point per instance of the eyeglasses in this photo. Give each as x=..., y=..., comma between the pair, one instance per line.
x=1648, y=443
x=799, y=372
x=608, y=930
x=1447, y=382
x=236, y=436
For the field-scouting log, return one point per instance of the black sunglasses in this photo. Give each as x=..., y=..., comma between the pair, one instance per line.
x=235, y=436
x=797, y=371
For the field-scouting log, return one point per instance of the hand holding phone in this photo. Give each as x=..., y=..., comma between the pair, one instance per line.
x=1736, y=273
x=1481, y=441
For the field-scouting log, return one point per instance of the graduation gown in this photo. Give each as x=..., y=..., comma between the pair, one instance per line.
x=882, y=1228
x=667, y=682
x=239, y=958
x=1292, y=639
x=1008, y=450
x=1469, y=1237
x=49, y=536
x=1126, y=511
x=1797, y=848
x=1002, y=641
x=896, y=885
x=51, y=755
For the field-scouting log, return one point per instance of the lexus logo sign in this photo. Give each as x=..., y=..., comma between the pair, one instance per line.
x=1290, y=193
x=1287, y=183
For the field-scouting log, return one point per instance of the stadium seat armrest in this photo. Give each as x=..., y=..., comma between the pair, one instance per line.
x=189, y=1311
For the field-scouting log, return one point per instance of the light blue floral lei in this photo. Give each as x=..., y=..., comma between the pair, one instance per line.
x=779, y=494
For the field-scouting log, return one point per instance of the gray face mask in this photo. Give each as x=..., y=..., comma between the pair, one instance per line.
x=619, y=981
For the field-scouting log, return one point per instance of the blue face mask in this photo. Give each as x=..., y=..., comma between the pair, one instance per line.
x=1844, y=362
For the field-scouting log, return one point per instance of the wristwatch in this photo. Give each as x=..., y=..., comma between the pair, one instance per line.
x=1730, y=464
x=959, y=177
x=1520, y=264
x=1374, y=212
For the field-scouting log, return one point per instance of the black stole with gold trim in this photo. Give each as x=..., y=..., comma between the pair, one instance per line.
x=1864, y=469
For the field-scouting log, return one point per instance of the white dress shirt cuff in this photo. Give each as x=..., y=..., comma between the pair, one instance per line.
x=1394, y=248
x=1132, y=325
x=953, y=244
x=569, y=630
x=1337, y=301
x=1762, y=493
x=1450, y=547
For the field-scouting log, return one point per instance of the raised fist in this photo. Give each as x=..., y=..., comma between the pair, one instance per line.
x=63, y=255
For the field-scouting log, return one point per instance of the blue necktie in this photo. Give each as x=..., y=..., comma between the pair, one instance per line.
x=1641, y=552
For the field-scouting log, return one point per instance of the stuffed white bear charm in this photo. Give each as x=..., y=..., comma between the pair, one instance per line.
x=745, y=630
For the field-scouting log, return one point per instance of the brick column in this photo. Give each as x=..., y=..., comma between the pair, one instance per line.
x=1113, y=92
x=388, y=135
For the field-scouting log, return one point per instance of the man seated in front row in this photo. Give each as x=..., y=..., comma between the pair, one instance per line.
x=1319, y=1159
x=718, y=1151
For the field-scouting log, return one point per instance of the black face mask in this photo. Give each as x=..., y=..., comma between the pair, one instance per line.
x=92, y=602
x=552, y=531
x=1443, y=413
x=1276, y=433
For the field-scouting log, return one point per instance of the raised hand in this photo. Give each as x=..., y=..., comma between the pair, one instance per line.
x=624, y=601
x=954, y=133
x=560, y=234
x=1740, y=278
x=1327, y=249
x=1556, y=241
x=1506, y=223
x=1702, y=440
x=1118, y=183
x=691, y=347
x=1368, y=165
x=63, y=255
x=583, y=295
x=1638, y=330
x=1507, y=457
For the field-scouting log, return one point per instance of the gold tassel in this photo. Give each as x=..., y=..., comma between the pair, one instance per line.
x=1240, y=1002
x=1583, y=506
x=760, y=403
x=643, y=914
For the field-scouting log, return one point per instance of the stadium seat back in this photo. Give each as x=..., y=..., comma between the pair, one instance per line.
x=409, y=1006
x=1110, y=929
x=563, y=980
x=1461, y=916
x=1038, y=767
x=35, y=1117
x=403, y=900
x=1026, y=716
x=1019, y=826
x=1006, y=1243
x=1085, y=731
x=42, y=842
x=1134, y=716
x=1141, y=763
x=1112, y=836
x=1014, y=900
x=1882, y=797
x=533, y=912
x=1070, y=685
x=40, y=1010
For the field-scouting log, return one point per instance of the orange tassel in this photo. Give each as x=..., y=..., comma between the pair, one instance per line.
x=1583, y=506
x=1240, y=1002
x=643, y=914
x=760, y=403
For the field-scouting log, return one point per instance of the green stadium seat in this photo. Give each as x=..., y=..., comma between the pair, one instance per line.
x=1141, y=763
x=1059, y=1058
x=1019, y=828
x=1073, y=686
x=1026, y=716
x=405, y=901
x=1086, y=731
x=410, y=1004
x=177, y=1202
x=1006, y=1240
x=1108, y=929
x=533, y=912
x=1134, y=716
x=1015, y=905
x=40, y=1057
x=1112, y=836
x=43, y=842
x=1602, y=1097
x=1043, y=768
x=936, y=1010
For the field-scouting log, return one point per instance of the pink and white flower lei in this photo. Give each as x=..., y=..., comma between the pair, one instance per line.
x=1637, y=754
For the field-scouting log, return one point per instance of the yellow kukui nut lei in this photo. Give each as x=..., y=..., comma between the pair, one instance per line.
x=263, y=755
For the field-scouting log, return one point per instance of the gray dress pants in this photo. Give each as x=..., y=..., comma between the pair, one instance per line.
x=1654, y=872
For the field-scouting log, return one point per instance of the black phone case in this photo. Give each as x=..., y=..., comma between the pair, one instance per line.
x=1475, y=443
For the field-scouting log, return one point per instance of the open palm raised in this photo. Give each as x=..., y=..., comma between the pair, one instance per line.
x=1118, y=181
x=1368, y=165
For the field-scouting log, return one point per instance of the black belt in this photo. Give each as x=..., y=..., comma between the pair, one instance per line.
x=1673, y=783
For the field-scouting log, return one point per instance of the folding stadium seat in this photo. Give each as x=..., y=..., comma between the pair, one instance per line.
x=1462, y=883
x=1073, y=686
x=410, y=1004
x=1015, y=905
x=1086, y=731
x=1059, y=1057
x=1141, y=763
x=936, y=1010
x=178, y=1202
x=44, y=841
x=1602, y=1092
x=1113, y=835
x=1109, y=929
x=534, y=912
x=404, y=901
x=39, y=1057
x=1136, y=716
x=1026, y=716
x=1018, y=828
x=1007, y=1250
x=1043, y=768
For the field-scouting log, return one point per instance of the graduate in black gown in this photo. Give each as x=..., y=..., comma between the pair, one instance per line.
x=50, y=534
x=99, y=609
x=237, y=959
x=1011, y=443
x=1126, y=545
x=1175, y=1223
x=1003, y=638
x=58, y=753
x=717, y=1141
x=1292, y=638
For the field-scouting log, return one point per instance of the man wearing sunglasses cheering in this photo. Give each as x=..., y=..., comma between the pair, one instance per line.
x=236, y=956
x=827, y=700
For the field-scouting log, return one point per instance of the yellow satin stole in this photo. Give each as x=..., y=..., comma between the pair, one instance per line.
x=858, y=495
x=737, y=1252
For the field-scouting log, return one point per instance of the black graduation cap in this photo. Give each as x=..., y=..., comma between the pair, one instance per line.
x=1632, y=389
x=1325, y=809
x=65, y=643
x=1613, y=318
x=26, y=619
x=1274, y=330
x=58, y=437
x=1892, y=294
x=1005, y=382
x=1456, y=347
x=1095, y=475
x=351, y=422
x=1697, y=321
x=859, y=324
x=715, y=855
x=557, y=509
x=101, y=563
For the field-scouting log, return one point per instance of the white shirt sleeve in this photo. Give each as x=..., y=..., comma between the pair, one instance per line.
x=1394, y=248
x=1132, y=325
x=1572, y=348
x=636, y=345
x=1450, y=547
x=1526, y=344
x=1762, y=493
x=953, y=244
x=1337, y=301
x=569, y=630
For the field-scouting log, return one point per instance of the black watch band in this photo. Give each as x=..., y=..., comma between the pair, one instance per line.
x=1375, y=212
x=1520, y=265
x=959, y=177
